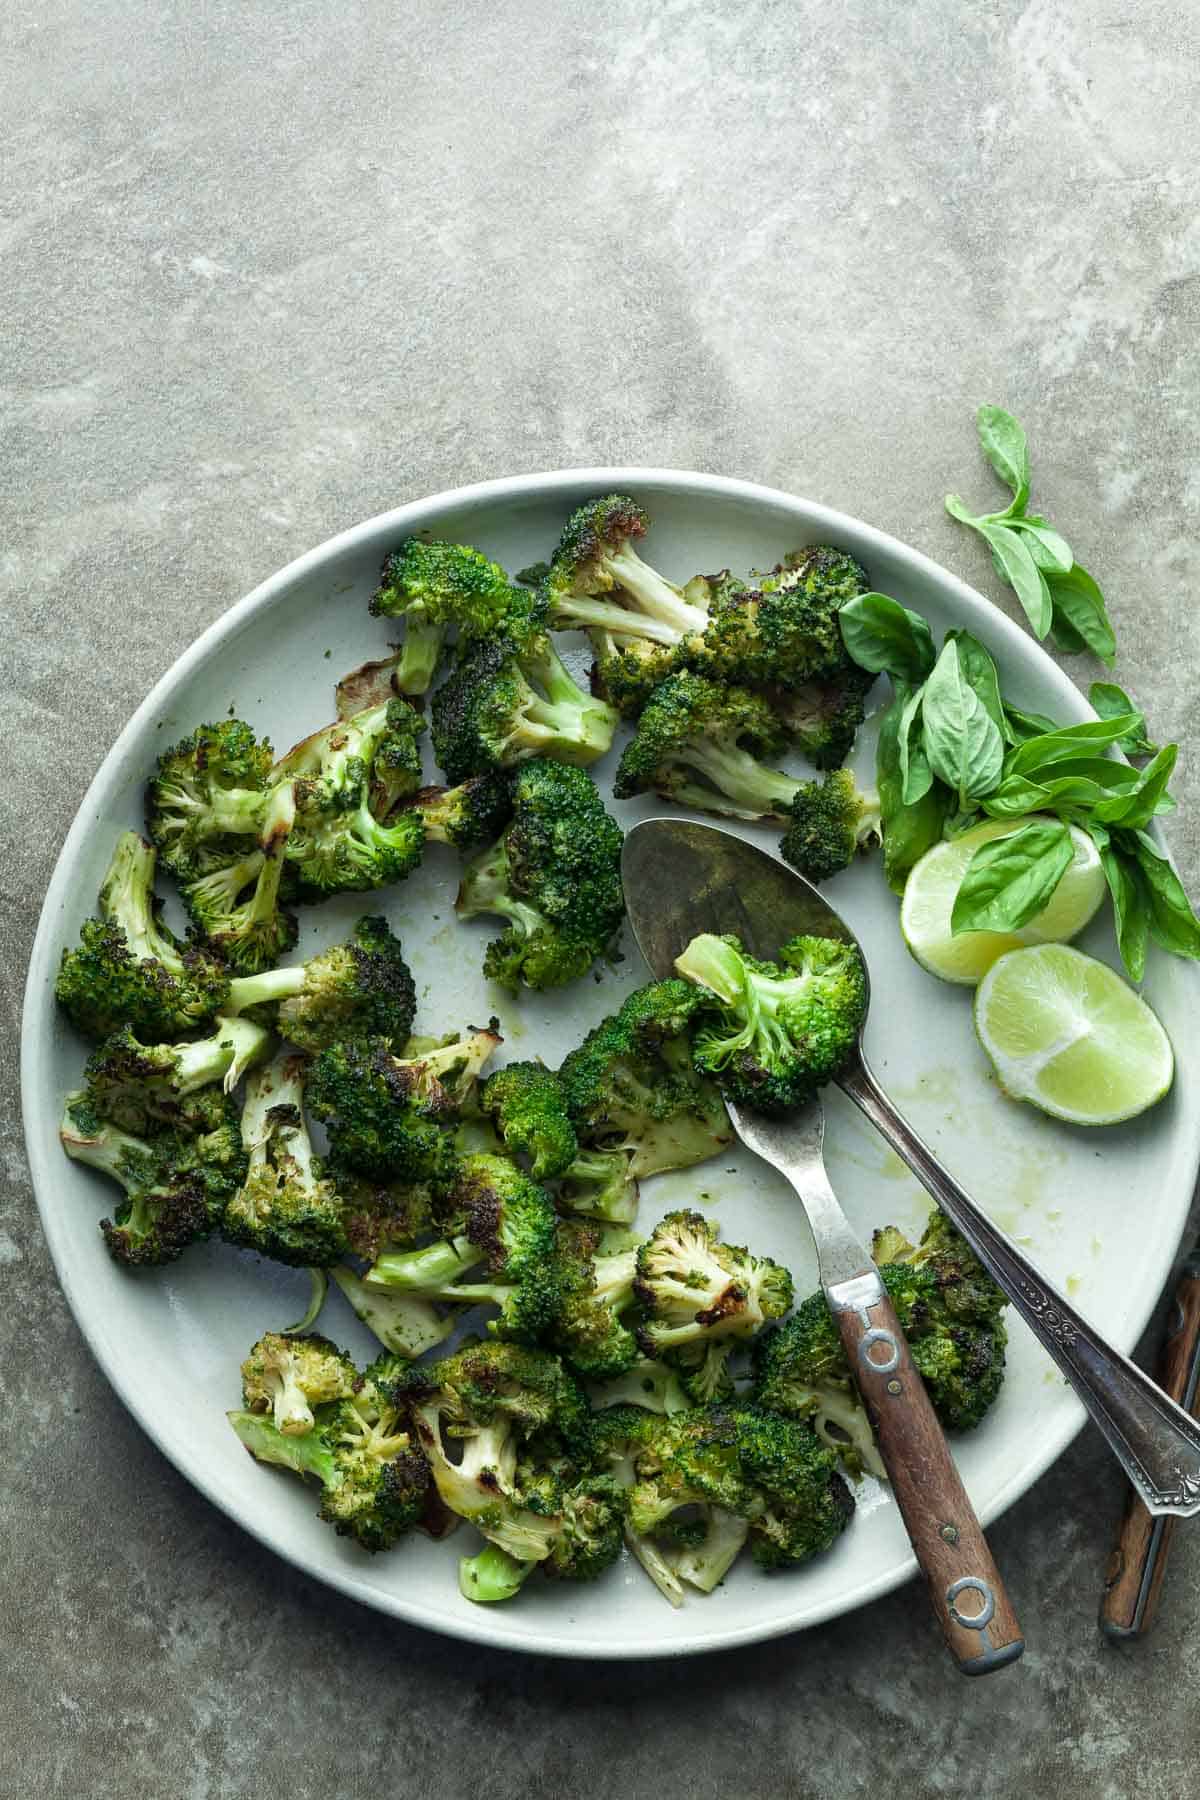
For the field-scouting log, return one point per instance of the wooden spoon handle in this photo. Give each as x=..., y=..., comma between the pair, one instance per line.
x=968, y=1595
x=1134, y=1577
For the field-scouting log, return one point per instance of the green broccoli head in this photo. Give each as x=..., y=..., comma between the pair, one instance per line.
x=175, y=1180
x=360, y=989
x=513, y=698
x=591, y=1328
x=786, y=629
x=133, y=1085
x=207, y=792
x=832, y=820
x=527, y=1102
x=380, y=1110
x=822, y=716
x=555, y=875
x=598, y=1184
x=475, y=812
x=702, y=1299
x=626, y=670
x=700, y=743
x=782, y=1029
x=288, y=1376
x=287, y=1208
x=381, y=1215
x=127, y=969
x=351, y=831
x=433, y=586
x=630, y=1085
x=598, y=580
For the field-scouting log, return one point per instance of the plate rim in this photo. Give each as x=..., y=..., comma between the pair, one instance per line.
x=489, y=1628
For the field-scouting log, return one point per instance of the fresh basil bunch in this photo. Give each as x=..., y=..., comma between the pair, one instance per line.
x=952, y=752
x=1059, y=596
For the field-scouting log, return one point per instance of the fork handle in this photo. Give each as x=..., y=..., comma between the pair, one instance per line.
x=968, y=1594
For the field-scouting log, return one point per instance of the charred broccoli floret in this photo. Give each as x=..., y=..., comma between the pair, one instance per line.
x=208, y=792
x=527, y=1102
x=769, y=1471
x=598, y=1184
x=501, y=1220
x=374, y=1476
x=702, y=1300
x=555, y=875
x=696, y=728
x=952, y=1314
x=822, y=715
x=591, y=1328
x=832, y=820
x=474, y=812
x=380, y=1110
x=287, y=1208
x=514, y=698
x=351, y=832
x=626, y=670
x=433, y=586
x=176, y=1180
x=359, y=989
x=233, y=901
x=783, y=1029
x=288, y=1376
x=785, y=629
x=598, y=581
x=630, y=1085
x=127, y=969
x=132, y=1084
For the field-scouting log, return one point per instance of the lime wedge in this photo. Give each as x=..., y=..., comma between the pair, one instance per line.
x=1067, y=1034
x=934, y=881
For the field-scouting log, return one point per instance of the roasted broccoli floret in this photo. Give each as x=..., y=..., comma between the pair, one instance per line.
x=630, y=1086
x=626, y=670
x=527, y=1102
x=433, y=586
x=208, y=792
x=474, y=812
x=693, y=727
x=785, y=629
x=555, y=875
x=382, y=1215
x=598, y=580
x=783, y=1029
x=821, y=716
x=234, y=903
x=500, y=1221
x=359, y=989
x=132, y=1084
x=288, y=1376
x=767, y=1470
x=513, y=698
x=598, y=1185
x=379, y=1109
x=127, y=969
x=592, y=1328
x=287, y=1208
x=351, y=832
x=702, y=1300
x=375, y=1478
x=176, y=1180
x=832, y=819
x=952, y=1314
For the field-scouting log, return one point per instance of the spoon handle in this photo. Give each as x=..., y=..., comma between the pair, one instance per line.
x=1154, y=1440
x=968, y=1595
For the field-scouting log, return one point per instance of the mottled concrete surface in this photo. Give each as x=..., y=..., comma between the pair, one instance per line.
x=270, y=269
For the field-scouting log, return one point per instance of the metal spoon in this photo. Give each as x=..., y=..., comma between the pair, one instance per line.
x=682, y=878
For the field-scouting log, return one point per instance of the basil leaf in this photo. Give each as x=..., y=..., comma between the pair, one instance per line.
x=1022, y=725
x=1139, y=803
x=962, y=740
x=916, y=776
x=1108, y=700
x=958, y=510
x=980, y=671
x=1172, y=922
x=1131, y=907
x=1079, y=605
x=1113, y=777
x=1011, y=879
x=1048, y=548
x=1019, y=794
x=1066, y=741
x=1005, y=446
x=908, y=830
x=882, y=636
x=1022, y=575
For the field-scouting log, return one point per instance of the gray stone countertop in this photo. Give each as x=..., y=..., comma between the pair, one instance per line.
x=270, y=269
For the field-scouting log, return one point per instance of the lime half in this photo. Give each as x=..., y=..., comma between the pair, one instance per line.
x=934, y=881
x=1067, y=1034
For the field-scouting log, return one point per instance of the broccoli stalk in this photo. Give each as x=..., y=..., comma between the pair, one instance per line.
x=782, y=1029
x=596, y=556
x=286, y=1209
x=830, y=821
x=404, y=1322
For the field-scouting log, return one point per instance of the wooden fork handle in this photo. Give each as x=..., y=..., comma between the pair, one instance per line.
x=968, y=1595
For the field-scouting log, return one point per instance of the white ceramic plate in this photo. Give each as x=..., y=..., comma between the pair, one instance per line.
x=1102, y=1212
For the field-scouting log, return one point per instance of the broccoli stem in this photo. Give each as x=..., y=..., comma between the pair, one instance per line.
x=419, y=654
x=114, y=1152
x=405, y=1323
x=485, y=889
x=619, y=621
x=246, y=991
x=306, y=1454
x=234, y=1046
x=655, y=596
x=127, y=897
x=429, y=1272
x=709, y=1563
x=761, y=793
x=492, y=1575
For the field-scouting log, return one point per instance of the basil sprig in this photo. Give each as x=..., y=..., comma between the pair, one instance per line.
x=1060, y=598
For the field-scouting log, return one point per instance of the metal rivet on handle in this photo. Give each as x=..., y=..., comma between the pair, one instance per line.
x=866, y=1343
x=972, y=1584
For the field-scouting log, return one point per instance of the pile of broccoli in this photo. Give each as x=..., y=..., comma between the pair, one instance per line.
x=616, y=1386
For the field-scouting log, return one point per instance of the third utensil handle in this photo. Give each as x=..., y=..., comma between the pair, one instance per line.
x=968, y=1595
x=1155, y=1441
